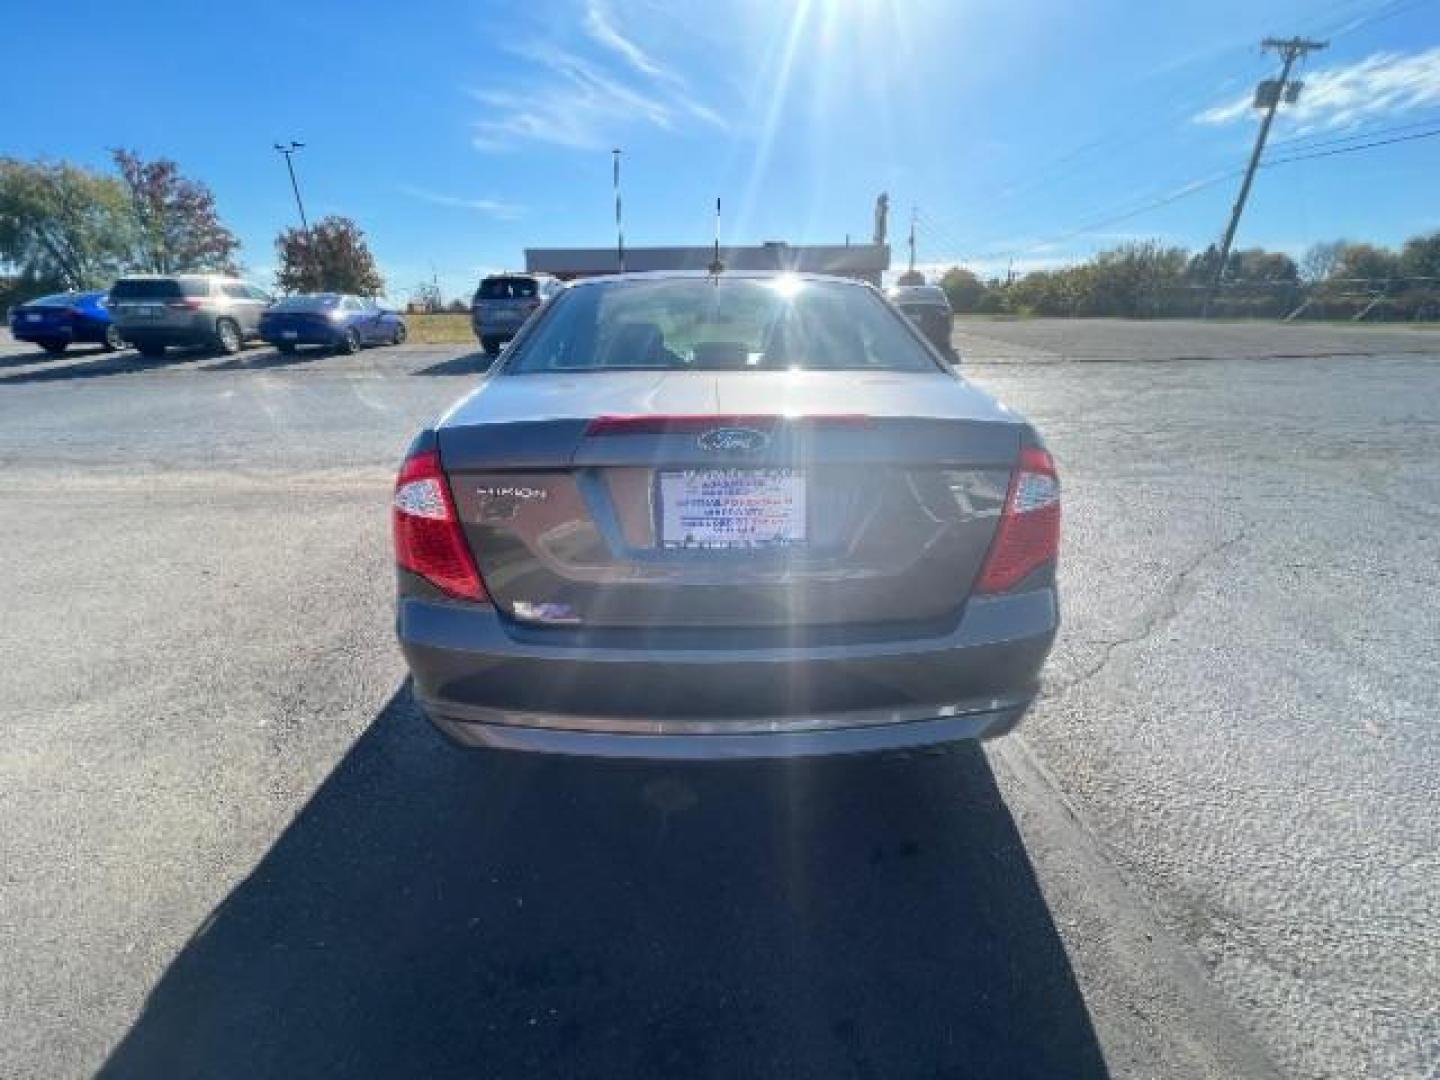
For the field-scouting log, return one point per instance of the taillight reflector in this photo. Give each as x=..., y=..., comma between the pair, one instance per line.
x=1028, y=535
x=428, y=539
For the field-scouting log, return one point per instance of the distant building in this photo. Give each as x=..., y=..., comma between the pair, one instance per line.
x=867, y=262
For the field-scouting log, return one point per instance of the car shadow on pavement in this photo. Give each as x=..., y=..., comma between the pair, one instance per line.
x=260, y=359
x=100, y=364
x=40, y=356
x=473, y=363
x=438, y=912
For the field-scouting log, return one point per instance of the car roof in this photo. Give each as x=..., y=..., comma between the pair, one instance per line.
x=918, y=292
x=177, y=277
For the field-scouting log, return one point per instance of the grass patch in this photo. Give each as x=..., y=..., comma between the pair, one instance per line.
x=440, y=328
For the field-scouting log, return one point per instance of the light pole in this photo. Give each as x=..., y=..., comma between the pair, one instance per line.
x=289, y=152
x=619, y=231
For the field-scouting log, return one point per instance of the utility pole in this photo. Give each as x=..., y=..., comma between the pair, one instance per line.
x=619, y=230
x=1268, y=94
x=913, y=211
x=289, y=152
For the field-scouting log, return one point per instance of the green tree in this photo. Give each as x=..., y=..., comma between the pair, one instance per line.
x=963, y=287
x=1133, y=279
x=1366, y=261
x=332, y=256
x=62, y=226
x=1420, y=257
x=178, y=227
x=1420, y=264
x=1259, y=265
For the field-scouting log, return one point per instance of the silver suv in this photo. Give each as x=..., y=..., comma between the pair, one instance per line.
x=504, y=301
x=153, y=311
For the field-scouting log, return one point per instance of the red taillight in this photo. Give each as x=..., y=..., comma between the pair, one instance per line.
x=428, y=540
x=188, y=304
x=1028, y=536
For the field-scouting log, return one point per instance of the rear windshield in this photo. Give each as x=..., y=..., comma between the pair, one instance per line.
x=730, y=325
x=157, y=288
x=54, y=300
x=507, y=288
x=320, y=302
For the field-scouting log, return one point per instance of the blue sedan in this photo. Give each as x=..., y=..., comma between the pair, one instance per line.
x=336, y=320
x=64, y=319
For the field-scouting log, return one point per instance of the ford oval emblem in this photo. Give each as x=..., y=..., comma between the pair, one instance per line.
x=733, y=440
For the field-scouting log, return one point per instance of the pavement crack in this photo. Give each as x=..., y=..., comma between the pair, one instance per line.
x=1171, y=602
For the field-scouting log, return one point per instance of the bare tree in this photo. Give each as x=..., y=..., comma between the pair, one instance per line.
x=1319, y=260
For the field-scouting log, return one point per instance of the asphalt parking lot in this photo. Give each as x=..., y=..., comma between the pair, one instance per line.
x=232, y=847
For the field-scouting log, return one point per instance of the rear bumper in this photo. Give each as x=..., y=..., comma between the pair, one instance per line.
x=484, y=687
x=852, y=734
x=34, y=334
x=143, y=334
x=302, y=336
x=491, y=332
x=77, y=332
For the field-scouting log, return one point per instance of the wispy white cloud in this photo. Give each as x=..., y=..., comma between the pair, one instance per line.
x=600, y=25
x=502, y=211
x=1381, y=86
x=584, y=103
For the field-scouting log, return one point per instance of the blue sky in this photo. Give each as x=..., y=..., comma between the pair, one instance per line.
x=458, y=133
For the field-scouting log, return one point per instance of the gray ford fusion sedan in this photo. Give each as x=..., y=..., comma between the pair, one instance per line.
x=728, y=516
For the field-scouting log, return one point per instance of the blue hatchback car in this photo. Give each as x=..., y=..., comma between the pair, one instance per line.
x=335, y=320
x=71, y=318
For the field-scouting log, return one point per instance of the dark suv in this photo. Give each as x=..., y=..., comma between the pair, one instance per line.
x=504, y=301
x=153, y=311
x=927, y=307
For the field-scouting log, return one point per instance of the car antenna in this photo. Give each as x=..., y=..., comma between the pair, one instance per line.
x=716, y=266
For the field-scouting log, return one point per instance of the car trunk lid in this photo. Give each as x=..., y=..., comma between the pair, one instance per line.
x=620, y=499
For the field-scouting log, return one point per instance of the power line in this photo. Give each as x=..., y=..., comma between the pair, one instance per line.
x=1159, y=119
x=1153, y=120
x=1194, y=187
x=1308, y=142
x=1183, y=192
x=1380, y=14
x=1186, y=190
x=1351, y=149
x=1139, y=125
x=945, y=236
